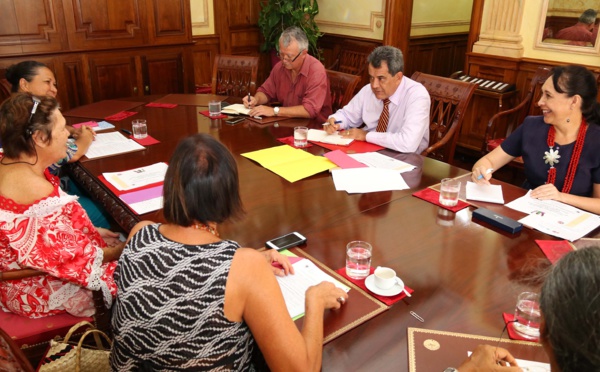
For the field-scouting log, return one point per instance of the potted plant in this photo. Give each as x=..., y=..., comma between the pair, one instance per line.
x=276, y=15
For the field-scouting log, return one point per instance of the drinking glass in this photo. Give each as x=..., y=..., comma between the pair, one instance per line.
x=300, y=136
x=214, y=108
x=449, y=190
x=527, y=315
x=139, y=128
x=358, y=259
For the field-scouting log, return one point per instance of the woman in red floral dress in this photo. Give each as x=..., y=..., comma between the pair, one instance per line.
x=41, y=227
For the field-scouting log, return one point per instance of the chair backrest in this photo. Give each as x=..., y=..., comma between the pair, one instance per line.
x=5, y=89
x=342, y=88
x=11, y=356
x=449, y=101
x=234, y=75
x=353, y=59
x=514, y=117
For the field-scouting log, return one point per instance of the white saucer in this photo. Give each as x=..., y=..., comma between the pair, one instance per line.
x=370, y=284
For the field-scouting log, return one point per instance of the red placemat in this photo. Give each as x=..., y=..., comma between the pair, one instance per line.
x=207, y=114
x=509, y=320
x=356, y=147
x=385, y=299
x=290, y=141
x=433, y=196
x=149, y=140
x=554, y=249
x=120, y=115
x=162, y=105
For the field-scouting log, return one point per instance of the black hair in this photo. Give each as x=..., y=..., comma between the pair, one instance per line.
x=23, y=70
x=578, y=80
x=570, y=304
x=201, y=183
x=18, y=123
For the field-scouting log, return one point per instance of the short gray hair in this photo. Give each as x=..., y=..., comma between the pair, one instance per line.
x=588, y=17
x=392, y=57
x=295, y=33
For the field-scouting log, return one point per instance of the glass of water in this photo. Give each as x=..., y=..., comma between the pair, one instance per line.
x=358, y=259
x=300, y=136
x=449, y=190
x=214, y=108
x=527, y=316
x=139, y=128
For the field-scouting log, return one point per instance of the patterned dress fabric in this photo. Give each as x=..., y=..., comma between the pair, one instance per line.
x=56, y=236
x=168, y=314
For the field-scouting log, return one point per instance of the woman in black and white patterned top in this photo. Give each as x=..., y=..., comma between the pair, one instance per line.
x=189, y=300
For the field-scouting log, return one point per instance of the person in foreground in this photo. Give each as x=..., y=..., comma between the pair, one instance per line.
x=570, y=328
x=559, y=148
x=41, y=227
x=188, y=299
x=394, y=108
x=299, y=82
x=36, y=78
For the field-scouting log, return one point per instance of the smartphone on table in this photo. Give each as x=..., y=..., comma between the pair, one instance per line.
x=286, y=241
x=233, y=121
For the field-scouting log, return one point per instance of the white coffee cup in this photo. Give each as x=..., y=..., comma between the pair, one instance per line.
x=385, y=278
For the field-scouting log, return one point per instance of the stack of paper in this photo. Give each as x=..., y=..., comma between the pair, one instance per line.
x=95, y=125
x=360, y=180
x=293, y=287
x=322, y=136
x=107, y=144
x=145, y=186
x=377, y=160
x=555, y=218
x=290, y=163
x=485, y=193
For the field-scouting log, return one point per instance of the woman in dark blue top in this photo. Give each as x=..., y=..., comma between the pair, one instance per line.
x=560, y=148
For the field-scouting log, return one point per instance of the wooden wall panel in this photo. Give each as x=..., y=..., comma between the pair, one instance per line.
x=439, y=55
x=169, y=22
x=113, y=76
x=203, y=55
x=31, y=26
x=163, y=73
x=104, y=23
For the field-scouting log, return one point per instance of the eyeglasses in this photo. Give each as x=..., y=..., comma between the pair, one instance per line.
x=288, y=58
x=36, y=103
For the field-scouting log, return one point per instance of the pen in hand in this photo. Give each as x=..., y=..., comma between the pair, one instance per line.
x=249, y=99
x=488, y=171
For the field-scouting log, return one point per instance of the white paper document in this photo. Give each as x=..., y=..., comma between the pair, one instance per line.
x=555, y=218
x=139, y=177
x=103, y=125
x=106, y=144
x=529, y=365
x=147, y=206
x=294, y=286
x=333, y=139
x=377, y=160
x=484, y=193
x=361, y=180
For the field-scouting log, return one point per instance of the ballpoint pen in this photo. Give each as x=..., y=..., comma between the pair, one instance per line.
x=335, y=122
x=249, y=99
x=126, y=131
x=488, y=171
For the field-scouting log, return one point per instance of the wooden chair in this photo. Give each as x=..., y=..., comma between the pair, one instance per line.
x=234, y=75
x=5, y=89
x=449, y=101
x=353, y=59
x=342, y=87
x=33, y=335
x=515, y=116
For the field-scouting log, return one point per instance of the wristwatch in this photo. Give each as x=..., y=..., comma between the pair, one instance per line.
x=451, y=369
x=276, y=110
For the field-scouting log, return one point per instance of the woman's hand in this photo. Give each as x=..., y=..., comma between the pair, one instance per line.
x=326, y=296
x=112, y=253
x=546, y=192
x=481, y=174
x=283, y=266
x=111, y=238
x=489, y=358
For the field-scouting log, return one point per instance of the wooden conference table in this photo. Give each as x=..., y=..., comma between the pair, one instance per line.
x=464, y=274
